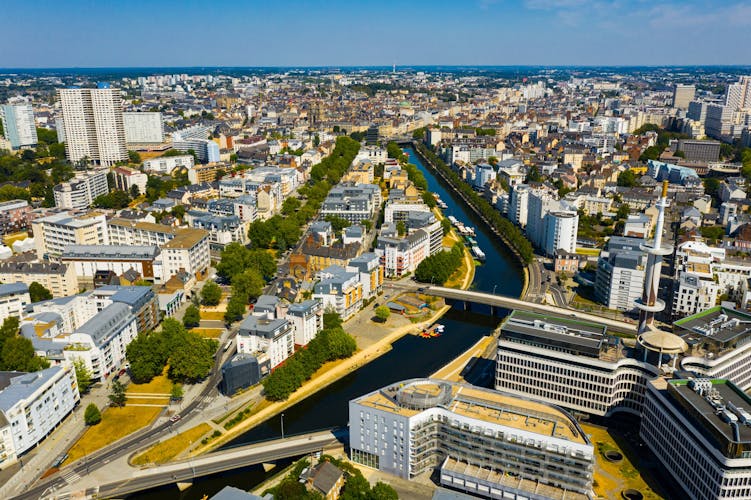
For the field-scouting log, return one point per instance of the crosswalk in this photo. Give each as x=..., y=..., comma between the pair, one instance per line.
x=71, y=476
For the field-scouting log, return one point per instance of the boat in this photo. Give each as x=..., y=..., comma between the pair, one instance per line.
x=452, y=220
x=479, y=254
x=432, y=332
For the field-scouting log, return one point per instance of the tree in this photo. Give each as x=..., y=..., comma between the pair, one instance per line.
x=92, y=415
x=337, y=223
x=331, y=319
x=651, y=153
x=8, y=330
x=38, y=293
x=135, y=191
x=623, y=211
x=211, y=294
x=627, y=178
x=401, y=228
x=147, y=355
x=18, y=355
x=83, y=375
x=383, y=491
x=382, y=313
x=193, y=358
x=429, y=199
x=117, y=395
x=316, y=141
x=446, y=226
x=236, y=308
x=177, y=392
x=248, y=284
x=113, y=200
x=134, y=157
x=534, y=175
x=192, y=317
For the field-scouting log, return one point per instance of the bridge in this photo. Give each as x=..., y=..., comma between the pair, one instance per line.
x=500, y=301
x=183, y=472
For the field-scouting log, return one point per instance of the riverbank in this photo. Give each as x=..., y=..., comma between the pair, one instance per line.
x=417, y=147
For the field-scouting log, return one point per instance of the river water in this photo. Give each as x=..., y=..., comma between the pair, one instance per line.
x=410, y=357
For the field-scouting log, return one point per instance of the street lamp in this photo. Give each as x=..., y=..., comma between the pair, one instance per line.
x=494, y=287
x=282, y=425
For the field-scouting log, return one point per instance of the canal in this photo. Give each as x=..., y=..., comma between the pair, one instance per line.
x=410, y=356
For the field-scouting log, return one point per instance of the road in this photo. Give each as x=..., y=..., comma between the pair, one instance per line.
x=512, y=303
x=187, y=470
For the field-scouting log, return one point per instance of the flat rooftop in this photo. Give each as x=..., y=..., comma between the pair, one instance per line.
x=578, y=336
x=705, y=410
x=413, y=397
x=186, y=238
x=517, y=482
x=718, y=323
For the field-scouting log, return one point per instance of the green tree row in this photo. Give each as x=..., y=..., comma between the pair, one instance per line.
x=439, y=267
x=512, y=235
x=330, y=344
x=190, y=356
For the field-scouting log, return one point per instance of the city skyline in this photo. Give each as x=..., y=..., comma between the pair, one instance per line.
x=302, y=34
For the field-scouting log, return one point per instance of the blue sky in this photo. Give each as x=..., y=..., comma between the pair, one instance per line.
x=87, y=33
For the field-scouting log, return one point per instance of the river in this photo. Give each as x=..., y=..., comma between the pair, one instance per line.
x=410, y=356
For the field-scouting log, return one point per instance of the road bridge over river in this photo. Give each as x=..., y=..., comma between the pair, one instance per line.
x=183, y=472
x=500, y=301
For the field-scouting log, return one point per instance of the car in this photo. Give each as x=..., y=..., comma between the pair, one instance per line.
x=122, y=372
x=175, y=418
x=116, y=377
x=421, y=289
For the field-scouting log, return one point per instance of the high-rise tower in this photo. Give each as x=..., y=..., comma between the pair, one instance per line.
x=650, y=304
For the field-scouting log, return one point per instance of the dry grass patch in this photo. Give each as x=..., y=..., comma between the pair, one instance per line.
x=158, y=385
x=116, y=423
x=211, y=333
x=167, y=450
x=162, y=401
x=212, y=315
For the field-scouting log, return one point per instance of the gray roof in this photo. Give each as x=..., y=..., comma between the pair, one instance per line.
x=232, y=493
x=134, y=296
x=305, y=307
x=13, y=288
x=266, y=303
x=107, y=323
x=326, y=476
x=110, y=252
x=261, y=327
x=15, y=386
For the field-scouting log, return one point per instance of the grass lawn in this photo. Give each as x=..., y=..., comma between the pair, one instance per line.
x=158, y=385
x=212, y=315
x=613, y=477
x=212, y=333
x=116, y=423
x=167, y=450
x=588, y=251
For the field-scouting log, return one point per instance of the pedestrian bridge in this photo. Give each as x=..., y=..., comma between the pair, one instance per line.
x=183, y=472
x=500, y=301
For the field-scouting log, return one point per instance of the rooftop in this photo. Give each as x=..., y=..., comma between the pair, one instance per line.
x=15, y=386
x=110, y=252
x=719, y=323
x=412, y=397
x=186, y=238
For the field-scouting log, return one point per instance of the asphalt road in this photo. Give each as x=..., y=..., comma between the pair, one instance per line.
x=128, y=445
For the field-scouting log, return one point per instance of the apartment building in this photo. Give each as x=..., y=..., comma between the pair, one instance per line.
x=570, y=363
x=561, y=228
x=700, y=431
x=19, y=127
x=87, y=260
x=187, y=251
x=166, y=164
x=619, y=281
x=101, y=341
x=480, y=440
x=55, y=232
x=126, y=178
x=306, y=318
x=272, y=338
x=402, y=255
x=93, y=124
x=31, y=406
x=143, y=127
x=339, y=290
x=59, y=279
x=81, y=191
x=128, y=232
x=13, y=298
x=371, y=272
x=14, y=216
x=354, y=203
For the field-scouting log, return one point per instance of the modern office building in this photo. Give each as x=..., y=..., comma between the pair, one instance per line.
x=54, y=232
x=700, y=431
x=570, y=363
x=719, y=344
x=31, y=406
x=81, y=191
x=143, y=127
x=703, y=151
x=19, y=127
x=619, y=281
x=483, y=442
x=683, y=95
x=93, y=121
x=166, y=164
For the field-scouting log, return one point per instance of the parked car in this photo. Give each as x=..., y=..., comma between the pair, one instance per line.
x=175, y=418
